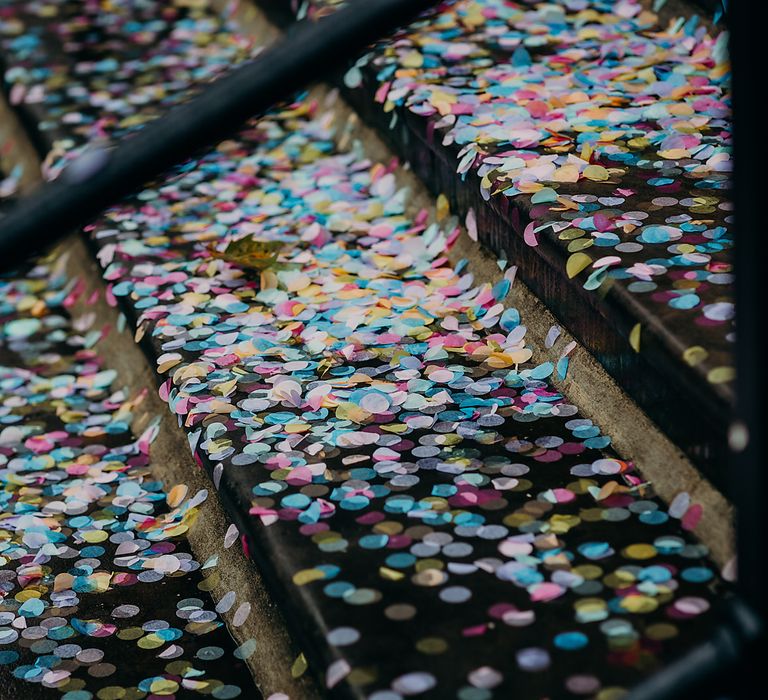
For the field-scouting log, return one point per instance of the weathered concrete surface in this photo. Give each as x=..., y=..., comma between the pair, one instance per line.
x=173, y=464
x=587, y=384
x=171, y=457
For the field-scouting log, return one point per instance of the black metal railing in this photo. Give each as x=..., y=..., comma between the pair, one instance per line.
x=729, y=662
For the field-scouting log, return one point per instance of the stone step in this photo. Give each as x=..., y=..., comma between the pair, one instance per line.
x=501, y=107
x=56, y=327
x=431, y=512
x=101, y=593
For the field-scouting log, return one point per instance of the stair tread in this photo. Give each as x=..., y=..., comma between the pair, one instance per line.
x=634, y=257
x=97, y=576
x=404, y=486
x=370, y=534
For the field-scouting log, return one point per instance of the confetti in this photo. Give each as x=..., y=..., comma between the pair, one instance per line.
x=379, y=411
x=562, y=109
x=374, y=402
x=84, y=523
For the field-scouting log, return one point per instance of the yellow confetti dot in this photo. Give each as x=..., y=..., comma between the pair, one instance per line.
x=443, y=208
x=570, y=234
x=589, y=572
x=639, y=604
x=432, y=645
x=413, y=59
x=134, y=694
x=619, y=579
x=362, y=676
x=694, y=355
x=388, y=527
x=634, y=337
x=560, y=524
x=591, y=515
x=596, y=173
x=517, y=519
x=130, y=633
x=305, y=576
x=299, y=666
x=579, y=244
x=576, y=263
x=178, y=668
x=210, y=582
x=151, y=641
x=95, y=535
x=429, y=577
x=390, y=574
x=639, y=551
x=179, y=529
x=720, y=375
x=673, y=153
x=164, y=686
x=429, y=564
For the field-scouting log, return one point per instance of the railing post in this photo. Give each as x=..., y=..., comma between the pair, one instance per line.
x=731, y=659
x=747, y=437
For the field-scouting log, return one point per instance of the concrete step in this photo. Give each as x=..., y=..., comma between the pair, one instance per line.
x=432, y=510
x=157, y=571
x=588, y=148
x=101, y=594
